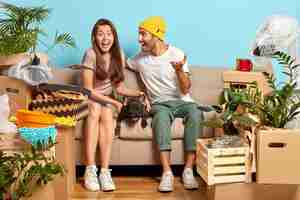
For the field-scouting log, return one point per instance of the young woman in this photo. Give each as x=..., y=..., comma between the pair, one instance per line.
x=107, y=61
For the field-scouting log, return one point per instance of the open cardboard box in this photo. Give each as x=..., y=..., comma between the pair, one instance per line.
x=18, y=91
x=12, y=143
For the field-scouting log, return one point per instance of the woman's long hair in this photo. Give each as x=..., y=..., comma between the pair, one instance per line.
x=115, y=71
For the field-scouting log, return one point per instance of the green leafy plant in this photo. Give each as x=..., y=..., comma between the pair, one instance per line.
x=235, y=105
x=246, y=107
x=20, y=30
x=282, y=104
x=23, y=172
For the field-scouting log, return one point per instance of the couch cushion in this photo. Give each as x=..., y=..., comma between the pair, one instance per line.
x=136, y=132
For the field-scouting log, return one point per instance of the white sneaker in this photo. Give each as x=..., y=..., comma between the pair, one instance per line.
x=90, y=178
x=106, y=181
x=166, y=182
x=189, y=181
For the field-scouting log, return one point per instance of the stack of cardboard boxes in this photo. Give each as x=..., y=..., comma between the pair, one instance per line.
x=277, y=174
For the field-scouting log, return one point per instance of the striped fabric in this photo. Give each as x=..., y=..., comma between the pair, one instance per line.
x=60, y=103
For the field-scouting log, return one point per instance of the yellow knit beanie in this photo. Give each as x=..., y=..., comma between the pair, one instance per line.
x=155, y=25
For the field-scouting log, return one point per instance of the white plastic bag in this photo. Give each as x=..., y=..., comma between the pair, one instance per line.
x=31, y=74
x=5, y=125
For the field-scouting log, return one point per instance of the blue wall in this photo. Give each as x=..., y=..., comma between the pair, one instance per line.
x=212, y=32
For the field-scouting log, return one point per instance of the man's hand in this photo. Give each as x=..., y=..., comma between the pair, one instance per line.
x=118, y=106
x=178, y=65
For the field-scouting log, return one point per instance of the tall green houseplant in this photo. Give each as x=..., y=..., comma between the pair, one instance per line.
x=21, y=31
x=282, y=104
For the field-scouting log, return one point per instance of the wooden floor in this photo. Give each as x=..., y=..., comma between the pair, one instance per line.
x=144, y=188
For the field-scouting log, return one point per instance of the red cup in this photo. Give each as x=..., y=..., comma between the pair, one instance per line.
x=244, y=65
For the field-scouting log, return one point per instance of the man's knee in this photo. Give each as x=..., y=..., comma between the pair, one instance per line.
x=162, y=116
x=194, y=114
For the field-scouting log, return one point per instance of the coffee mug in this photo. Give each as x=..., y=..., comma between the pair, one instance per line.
x=244, y=65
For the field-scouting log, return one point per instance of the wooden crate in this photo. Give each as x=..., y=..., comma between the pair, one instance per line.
x=239, y=78
x=221, y=165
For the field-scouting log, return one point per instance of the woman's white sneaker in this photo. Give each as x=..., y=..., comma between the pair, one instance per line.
x=90, y=178
x=106, y=181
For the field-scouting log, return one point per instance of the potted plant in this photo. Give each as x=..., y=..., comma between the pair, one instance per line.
x=269, y=134
x=282, y=104
x=235, y=106
x=21, y=32
x=24, y=172
x=277, y=142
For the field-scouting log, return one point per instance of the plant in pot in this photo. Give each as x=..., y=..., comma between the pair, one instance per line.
x=21, y=32
x=272, y=144
x=23, y=173
x=235, y=106
x=275, y=109
x=277, y=136
x=282, y=105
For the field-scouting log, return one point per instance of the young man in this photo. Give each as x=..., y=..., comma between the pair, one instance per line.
x=165, y=74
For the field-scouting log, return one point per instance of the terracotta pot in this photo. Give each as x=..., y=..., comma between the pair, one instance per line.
x=6, y=61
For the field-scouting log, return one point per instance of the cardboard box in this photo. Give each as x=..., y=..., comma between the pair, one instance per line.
x=18, y=91
x=253, y=191
x=11, y=144
x=278, y=160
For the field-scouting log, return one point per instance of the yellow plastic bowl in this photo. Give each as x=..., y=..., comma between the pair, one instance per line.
x=34, y=119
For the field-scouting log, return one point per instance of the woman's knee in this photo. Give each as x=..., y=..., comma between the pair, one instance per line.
x=94, y=111
x=107, y=115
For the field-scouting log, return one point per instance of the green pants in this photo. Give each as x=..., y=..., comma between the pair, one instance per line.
x=164, y=114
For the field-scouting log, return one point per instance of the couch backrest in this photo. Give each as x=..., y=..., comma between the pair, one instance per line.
x=207, y=82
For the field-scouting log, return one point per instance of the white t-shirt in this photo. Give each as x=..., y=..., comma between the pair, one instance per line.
x=159, y=76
